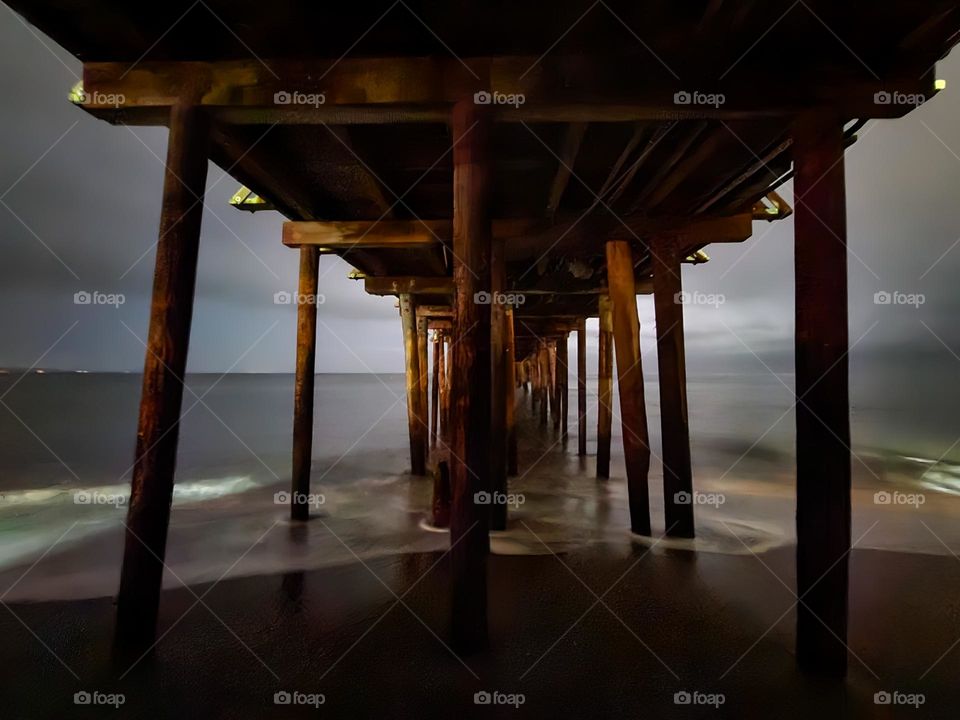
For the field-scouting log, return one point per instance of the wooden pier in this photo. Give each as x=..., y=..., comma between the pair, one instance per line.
x=507, y=183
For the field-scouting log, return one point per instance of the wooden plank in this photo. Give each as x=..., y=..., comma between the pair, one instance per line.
x=171, y=311
x=633, y=410
x=675, y=431
x=605, y=390
x=470, y=424
x=412, y=285
x=418, y=449
x=304, y=385
x=823, y=410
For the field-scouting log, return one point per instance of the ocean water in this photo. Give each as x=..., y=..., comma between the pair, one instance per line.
x=66, y=454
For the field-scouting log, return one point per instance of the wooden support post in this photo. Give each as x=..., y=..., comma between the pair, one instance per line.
x=553, y=349
x=435, y=391
x=563, y=390
x=675, y=431
x=605, y=390
x=440, y=378
x=823, y=420
x=304, y=383
x=633, y=411
x=470, y=426
x=498, y=400
x=171, y=310
x=415, y=414
x=582, y=387
x=543, y=371
x=423, y=335
x=511, y=396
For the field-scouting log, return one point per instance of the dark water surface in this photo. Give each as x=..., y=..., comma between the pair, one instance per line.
x=64, y=434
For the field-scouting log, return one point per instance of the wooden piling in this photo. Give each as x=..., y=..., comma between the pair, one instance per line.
x=582, y=388
x=498, y=401
x=415, y=415
x=543, y=371
x=563, y=390
x=470, y=424
x=423, y=335
x=161, y=399
x=633, y=412
x=435, y=391
x=552, y=350
x=441, y=378
x=304, y=382
x=823, y=422
x=675, y=431
x=511, y=396
x=605, y=390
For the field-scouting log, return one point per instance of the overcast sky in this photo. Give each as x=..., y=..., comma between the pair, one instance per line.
x=80, y=204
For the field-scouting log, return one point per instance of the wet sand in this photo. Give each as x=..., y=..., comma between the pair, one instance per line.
x=675, y=621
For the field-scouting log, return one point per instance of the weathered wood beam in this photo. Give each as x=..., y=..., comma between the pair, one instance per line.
x=171, y=311
x=633, y=410
x=570, y=147
x=470, y=424
x=412, y=285
x=347, y=235
x=524, y=236
x=435, y=311
x=304, y=385
x=675, y=430
x=422, y=89
x=823, y=410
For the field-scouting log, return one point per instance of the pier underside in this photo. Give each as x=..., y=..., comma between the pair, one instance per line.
x=507, y=173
